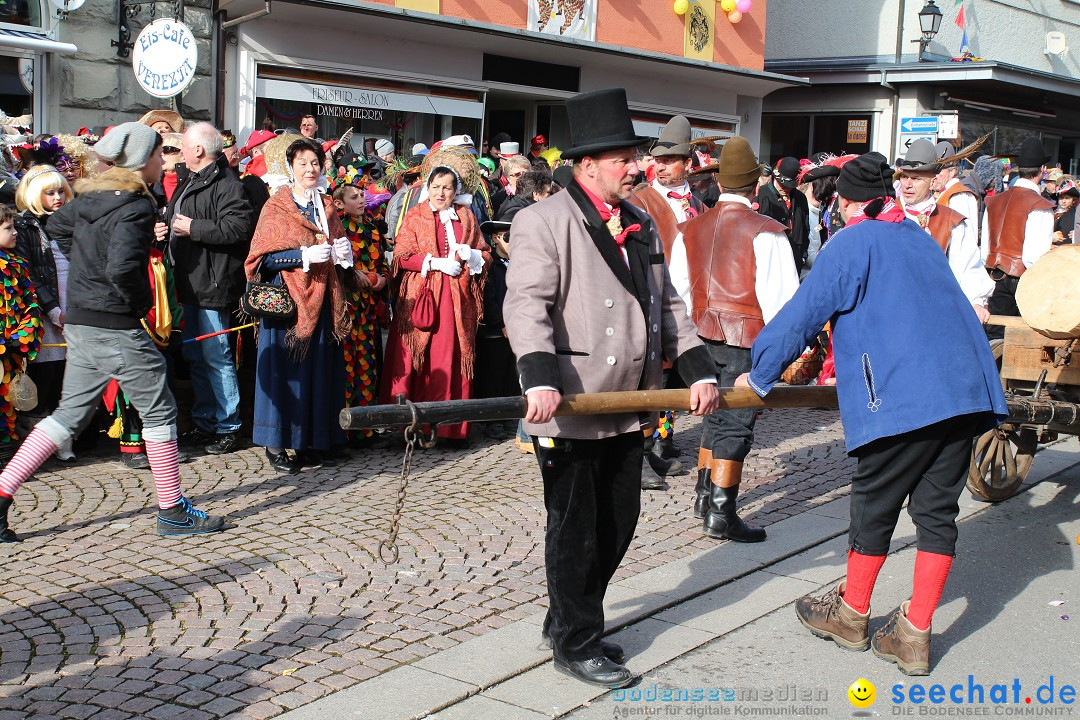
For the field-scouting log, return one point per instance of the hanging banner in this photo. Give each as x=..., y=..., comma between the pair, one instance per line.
x=699, y=29
x=165, y=57
x=566, y=18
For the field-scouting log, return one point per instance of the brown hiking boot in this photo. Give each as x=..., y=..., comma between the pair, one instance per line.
x=831, y=618
x=901, y=642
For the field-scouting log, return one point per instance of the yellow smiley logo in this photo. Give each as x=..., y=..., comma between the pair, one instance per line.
x=862, y=693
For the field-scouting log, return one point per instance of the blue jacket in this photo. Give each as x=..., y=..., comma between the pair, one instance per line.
x=908, y=347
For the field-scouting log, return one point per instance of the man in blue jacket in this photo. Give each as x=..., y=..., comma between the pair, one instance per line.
x=886, y=287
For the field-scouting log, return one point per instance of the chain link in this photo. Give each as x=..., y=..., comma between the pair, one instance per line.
x=388, y=548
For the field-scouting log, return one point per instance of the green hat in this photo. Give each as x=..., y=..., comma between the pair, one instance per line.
x=738, y=165
x=488, y=163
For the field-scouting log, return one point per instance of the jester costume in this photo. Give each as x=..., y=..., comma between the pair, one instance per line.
x=22, y=333
x=363, y=344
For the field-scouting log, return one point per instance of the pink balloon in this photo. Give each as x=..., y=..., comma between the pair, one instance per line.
x=734, y=16
x=744, y=6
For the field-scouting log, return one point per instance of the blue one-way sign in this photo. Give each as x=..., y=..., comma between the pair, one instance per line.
x=920, y=125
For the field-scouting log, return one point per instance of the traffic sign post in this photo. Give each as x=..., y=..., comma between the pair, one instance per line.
x=919, y=125
x=904, y=142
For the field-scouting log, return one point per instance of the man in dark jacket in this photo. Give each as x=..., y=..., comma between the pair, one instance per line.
x=782, y=201
x=107, y=232
x=210, y=224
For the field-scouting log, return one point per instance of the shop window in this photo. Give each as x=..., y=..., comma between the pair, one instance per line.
x=20, y=12
x=784, y=135
x=841, y=134
x=16, y=86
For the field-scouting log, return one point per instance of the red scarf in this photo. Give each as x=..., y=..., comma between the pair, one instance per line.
x=890, y=213
x=607, y=213
x=685, y=200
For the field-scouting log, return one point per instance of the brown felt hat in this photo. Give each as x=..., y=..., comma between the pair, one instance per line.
x=738, y=165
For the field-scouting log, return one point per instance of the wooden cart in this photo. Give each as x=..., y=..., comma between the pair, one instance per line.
x=1041, y=378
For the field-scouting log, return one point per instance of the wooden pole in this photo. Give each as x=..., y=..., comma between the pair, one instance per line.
x=1007, y=321
x=609, y=403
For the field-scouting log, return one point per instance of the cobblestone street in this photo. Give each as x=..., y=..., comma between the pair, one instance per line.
x=100, y=618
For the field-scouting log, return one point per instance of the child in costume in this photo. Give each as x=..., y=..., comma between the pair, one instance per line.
x=360, y=215
x=22, y=327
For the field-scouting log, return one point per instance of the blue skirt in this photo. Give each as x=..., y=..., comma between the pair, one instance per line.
x=297, y=402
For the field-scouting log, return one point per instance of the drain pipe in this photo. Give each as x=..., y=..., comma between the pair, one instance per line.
x=244, y=18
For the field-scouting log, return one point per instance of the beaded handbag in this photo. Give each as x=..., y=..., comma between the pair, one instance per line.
x=263, y=300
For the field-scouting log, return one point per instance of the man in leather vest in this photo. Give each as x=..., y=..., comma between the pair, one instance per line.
x=950, y=230
x=669, y=202
x=590, y=308
x=953, y=193
x=784, y=202
x=735, y=271
x=1017, y=230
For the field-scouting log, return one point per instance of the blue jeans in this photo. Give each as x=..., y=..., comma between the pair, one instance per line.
x=213, y=374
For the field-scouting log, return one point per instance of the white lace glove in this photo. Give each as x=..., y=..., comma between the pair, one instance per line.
x=315, y=254
x=343, y=254
x=450, y=266
x=54, y=317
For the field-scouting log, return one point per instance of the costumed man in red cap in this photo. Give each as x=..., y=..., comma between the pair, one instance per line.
x=1017, y=230
x=949, y=228
x=590, y=308
x=254, y=150
x=538, y=145
x=669, y=202
x=734, y=269
x=885, y=287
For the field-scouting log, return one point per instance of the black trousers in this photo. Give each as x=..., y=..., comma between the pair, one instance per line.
x=592, y=492
x=495, y=372
x=929, y=466
x=729, y=433
x=1002, y=302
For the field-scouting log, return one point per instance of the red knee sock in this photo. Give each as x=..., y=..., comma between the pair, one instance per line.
x=165, y=466
x=35, y=449
x=931, y=572
x=862, y=572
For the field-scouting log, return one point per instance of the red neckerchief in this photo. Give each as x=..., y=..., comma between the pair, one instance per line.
x=685, y=200
x=890, y=213
x=606, y=214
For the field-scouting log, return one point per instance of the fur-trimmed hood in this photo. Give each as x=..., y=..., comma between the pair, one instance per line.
x=100, y=195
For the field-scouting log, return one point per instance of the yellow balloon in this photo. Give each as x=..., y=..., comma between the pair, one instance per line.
x=734, y=16
x=681, y=6
x=727, y=5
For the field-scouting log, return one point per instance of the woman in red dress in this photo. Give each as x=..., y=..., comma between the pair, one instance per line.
x=439, y=246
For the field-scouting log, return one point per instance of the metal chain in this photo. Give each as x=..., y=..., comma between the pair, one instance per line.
x=1062, y=354
x=388, y=548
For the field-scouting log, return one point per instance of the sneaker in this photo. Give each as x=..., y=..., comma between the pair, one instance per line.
x=184, y=519
x=223, y=443
x=901, y=642
x=196, y=437
x=135, y=461
x=831, y=618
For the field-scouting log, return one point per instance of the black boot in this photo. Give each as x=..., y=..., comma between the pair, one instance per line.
x=721, y=520
x=6, y=534
x=704, y=482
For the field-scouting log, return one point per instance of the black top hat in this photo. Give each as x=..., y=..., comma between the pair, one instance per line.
x=1032, y=153
x=599, y=122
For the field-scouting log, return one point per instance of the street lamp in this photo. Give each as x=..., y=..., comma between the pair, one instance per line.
x=929, y=24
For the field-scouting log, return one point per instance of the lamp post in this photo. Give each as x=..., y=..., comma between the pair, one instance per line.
x=929, y=24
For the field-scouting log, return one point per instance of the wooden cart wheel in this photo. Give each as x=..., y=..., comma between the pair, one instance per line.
x=1000, y=460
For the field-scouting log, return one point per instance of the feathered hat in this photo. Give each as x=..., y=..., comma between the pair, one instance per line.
x=827, y=164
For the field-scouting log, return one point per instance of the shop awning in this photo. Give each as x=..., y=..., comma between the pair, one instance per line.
x=30, y=42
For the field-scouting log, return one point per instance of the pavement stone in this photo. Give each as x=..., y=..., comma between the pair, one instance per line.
x=93, y=594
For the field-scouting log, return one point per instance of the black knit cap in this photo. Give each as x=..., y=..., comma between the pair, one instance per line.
x=866, y=177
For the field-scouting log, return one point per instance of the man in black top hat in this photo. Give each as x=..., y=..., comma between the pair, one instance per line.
x=782, y=201
x=590, y=308
x=1017, y=230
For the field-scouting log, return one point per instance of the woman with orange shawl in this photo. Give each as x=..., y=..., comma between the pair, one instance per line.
x=300, y=373
x=438, y=248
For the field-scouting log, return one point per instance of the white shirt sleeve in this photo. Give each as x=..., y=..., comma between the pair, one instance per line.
x=967, y=266
x=1038, y=235
x=984, y=241
x=968, y=206
x=679, y=271
x=776, y=279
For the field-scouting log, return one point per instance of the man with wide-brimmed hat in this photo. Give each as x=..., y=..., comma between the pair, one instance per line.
x=590, y=308
x=951, y=192
x=1017, y=230
x=886, y=289
x=950, y=229
x=782, y=200
x=669, y=201
x=734, y=269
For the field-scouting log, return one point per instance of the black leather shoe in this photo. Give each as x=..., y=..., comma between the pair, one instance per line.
x=135, y=461
x=312, y=460
x=196, y=437
x=224, y=443
x=281, y=461
x=721, y=521
x=611, y=651
x=662, y=467
x=7, y=535
x=596, y=671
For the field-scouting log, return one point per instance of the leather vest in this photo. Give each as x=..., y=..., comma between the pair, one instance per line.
x=648, y=199
x=942, y=223
x=948, y=193
x=1006, y=218
x=722, y=268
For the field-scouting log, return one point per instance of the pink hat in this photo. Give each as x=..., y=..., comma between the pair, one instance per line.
x=255, y=139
